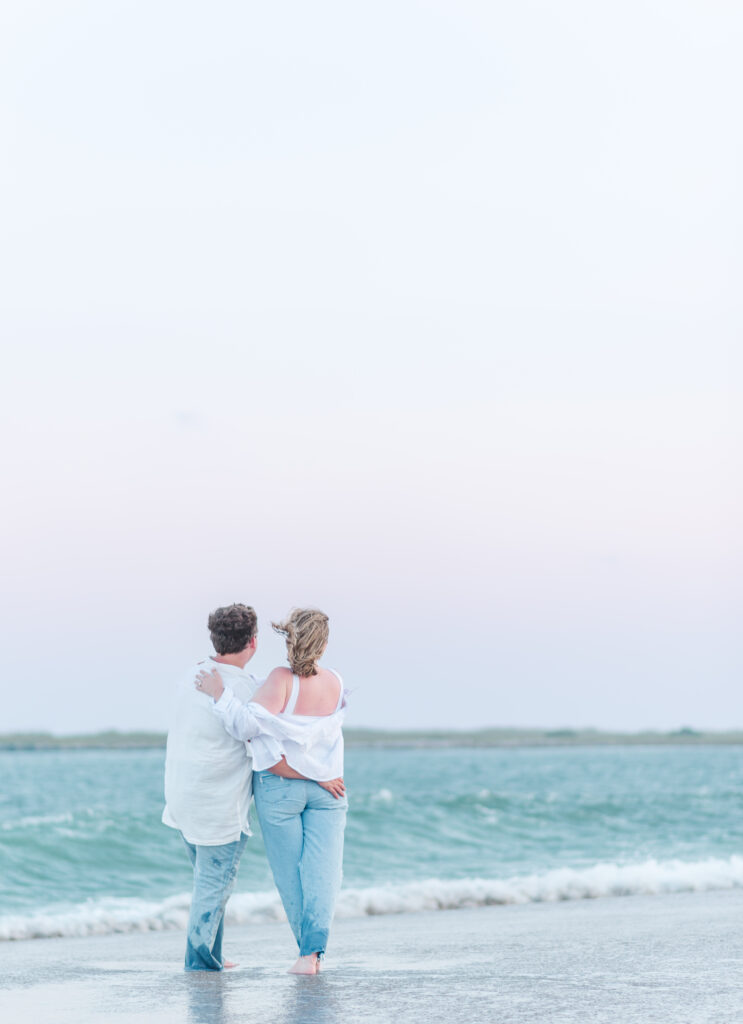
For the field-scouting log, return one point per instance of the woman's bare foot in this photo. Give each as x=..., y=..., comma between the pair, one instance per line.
x=228, y=963
x=305, y=965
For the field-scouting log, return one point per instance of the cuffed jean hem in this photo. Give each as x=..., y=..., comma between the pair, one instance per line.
x=313, y=942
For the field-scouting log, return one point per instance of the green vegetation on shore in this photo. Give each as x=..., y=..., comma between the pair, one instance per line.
x=389, y=738
x=110, y=740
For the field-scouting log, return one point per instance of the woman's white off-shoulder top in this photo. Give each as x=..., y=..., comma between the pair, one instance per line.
x=311, y=744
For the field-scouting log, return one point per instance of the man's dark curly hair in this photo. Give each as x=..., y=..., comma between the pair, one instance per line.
x=232, y=628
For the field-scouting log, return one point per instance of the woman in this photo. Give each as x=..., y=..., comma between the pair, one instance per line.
x=295, y=719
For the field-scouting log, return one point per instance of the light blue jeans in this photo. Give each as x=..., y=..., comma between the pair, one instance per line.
x=214, y=873
x=302, y=826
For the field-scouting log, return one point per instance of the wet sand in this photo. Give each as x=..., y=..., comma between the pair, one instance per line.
x=628, y=960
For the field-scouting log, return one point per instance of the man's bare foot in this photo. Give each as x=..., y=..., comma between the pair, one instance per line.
x=305, y=965
x=228, y=963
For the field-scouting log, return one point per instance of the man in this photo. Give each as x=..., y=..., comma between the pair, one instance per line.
x=208, y=784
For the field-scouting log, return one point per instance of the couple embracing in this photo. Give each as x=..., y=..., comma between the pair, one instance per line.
x=280, y=741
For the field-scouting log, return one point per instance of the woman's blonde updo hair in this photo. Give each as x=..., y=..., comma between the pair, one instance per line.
x=306, y=631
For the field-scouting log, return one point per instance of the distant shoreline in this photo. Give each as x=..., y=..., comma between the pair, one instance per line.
x=503, y=738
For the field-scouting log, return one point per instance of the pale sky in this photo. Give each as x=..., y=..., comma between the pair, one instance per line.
x=427, y=314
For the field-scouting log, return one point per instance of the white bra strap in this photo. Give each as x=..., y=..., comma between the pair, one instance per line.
x=340, y=695
x=292, y=702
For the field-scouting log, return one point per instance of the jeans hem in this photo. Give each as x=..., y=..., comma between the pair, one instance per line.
x=314, y=943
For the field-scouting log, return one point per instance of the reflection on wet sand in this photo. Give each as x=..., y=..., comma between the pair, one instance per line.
x=219, y=998
x=310, y=1001
x=206, y=997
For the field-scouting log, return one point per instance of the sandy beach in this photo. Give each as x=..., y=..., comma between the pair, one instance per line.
x=675, y=958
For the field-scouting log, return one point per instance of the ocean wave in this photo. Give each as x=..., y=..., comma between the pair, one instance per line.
x=109, y=916
x=33, y=821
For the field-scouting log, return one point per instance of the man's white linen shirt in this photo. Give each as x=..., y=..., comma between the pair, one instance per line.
x=208, y=774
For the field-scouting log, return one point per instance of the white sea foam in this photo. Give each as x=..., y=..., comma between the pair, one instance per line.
x=106, y=916
x=384, y=796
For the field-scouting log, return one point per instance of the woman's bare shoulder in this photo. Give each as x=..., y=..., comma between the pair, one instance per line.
x=280, y=672
x=274, y=693
x=279, y=681
x=331, y=675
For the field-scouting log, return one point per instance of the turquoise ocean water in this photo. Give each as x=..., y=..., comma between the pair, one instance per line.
x=82, y=850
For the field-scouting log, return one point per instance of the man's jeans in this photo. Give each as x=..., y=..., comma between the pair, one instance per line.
x=214, y=872
x=302, y=826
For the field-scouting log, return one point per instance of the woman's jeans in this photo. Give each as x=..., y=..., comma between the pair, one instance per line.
x=302, y=826
x=214, y=872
